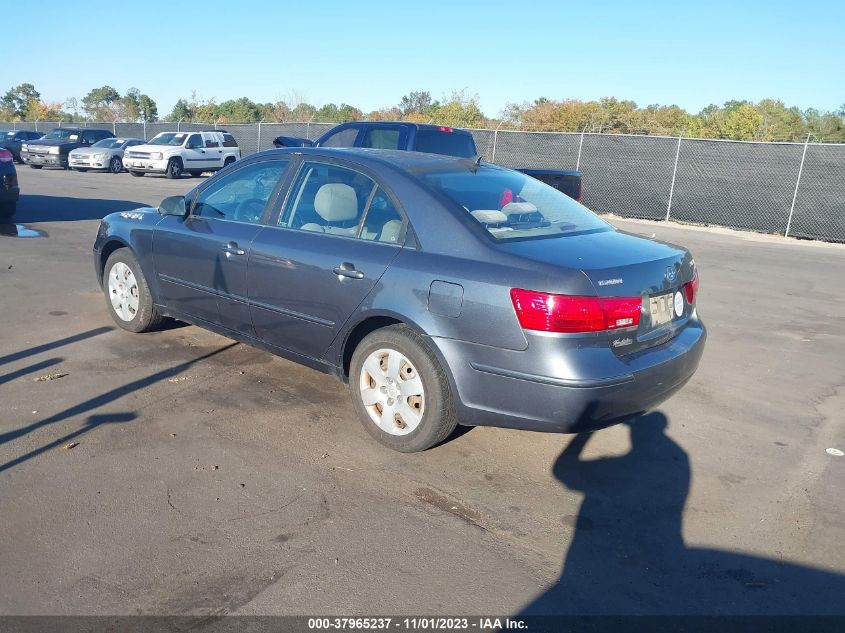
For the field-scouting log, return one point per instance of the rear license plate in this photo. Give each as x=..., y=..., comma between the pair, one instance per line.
x=661, y=309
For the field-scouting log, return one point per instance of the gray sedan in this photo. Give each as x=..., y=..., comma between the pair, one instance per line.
x=442, y=290
x=105, y=155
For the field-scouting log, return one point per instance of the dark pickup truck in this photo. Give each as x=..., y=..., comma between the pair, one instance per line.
x=417, y=137
x=52, y=149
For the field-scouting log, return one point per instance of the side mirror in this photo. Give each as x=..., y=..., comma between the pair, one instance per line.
x=174, y=205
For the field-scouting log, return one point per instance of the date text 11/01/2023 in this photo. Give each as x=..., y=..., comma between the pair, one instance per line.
x=416, y=624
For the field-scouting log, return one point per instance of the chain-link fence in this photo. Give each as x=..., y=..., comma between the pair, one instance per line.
x=795, y=189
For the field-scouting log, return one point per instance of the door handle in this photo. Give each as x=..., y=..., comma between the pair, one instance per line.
x=232, y=249
x=348, y=270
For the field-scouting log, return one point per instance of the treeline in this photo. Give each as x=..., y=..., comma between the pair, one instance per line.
x=767, y=120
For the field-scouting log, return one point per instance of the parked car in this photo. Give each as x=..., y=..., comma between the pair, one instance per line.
x=417, y=137
x=443, y=290
x=12, y=141
x=106, y=155
x=52, y=149
x=175, y=153
x=9, y=188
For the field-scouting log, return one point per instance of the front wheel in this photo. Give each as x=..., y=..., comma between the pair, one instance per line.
x=174, y=168
x=128, y=295
x=115, y=165
x=400, y=391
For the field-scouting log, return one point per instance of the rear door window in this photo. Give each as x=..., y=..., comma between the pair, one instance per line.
x=381, y=138
x=327, y=199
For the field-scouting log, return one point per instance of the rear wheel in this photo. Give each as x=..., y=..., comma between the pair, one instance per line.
x=174, y=168
x=400, y=391
x=128, y=295
x=115, y=165
x=137, y=174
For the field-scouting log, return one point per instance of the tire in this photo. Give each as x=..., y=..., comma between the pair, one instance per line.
x=115, y=165
x=36, y=166
x=137, y=174
x=140, y=314
x=83, y=169
x=419, y=420
x=174, y=168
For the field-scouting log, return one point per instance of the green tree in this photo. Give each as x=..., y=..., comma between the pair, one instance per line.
x=149, y=110
x=418, y=102
x=241, y=110
x=102, y=104
x=15, y=102
x=741, y=122
x=182, y=111
x=459, y=111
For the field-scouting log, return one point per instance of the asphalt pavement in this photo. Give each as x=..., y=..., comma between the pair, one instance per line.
x=179, y=472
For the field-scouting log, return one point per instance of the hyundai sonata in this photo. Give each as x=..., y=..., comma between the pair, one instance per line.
x=442, y=290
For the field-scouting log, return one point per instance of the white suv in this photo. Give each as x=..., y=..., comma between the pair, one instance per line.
x=175, y=153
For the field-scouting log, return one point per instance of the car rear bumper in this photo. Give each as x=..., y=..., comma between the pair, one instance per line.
x=496, y=387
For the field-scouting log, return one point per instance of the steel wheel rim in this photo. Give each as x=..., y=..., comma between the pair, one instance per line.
x=123, y=291
x=174, y=168
x=115, y=165
x=392, y=392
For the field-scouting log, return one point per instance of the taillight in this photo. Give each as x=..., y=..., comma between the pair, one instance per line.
x=567, y=313
x=5, y=156
x=691, y=288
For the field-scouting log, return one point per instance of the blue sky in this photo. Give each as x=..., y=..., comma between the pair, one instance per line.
x=369, y=54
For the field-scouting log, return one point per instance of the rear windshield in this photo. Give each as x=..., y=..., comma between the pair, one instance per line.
x=511, y=205
x=449, y=143
x=168, y=138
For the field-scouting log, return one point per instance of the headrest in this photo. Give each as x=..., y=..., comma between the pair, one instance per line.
x=336, y=203
x=518, y=208
x=490, y=216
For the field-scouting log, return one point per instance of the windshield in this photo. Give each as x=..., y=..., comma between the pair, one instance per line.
x=511, y=205
x=168, y=138
x=109, y=143
x=61, y=134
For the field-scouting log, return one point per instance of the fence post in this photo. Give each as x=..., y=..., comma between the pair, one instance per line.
x=145, y=129
x=36, y=125
x=580, y=145
x=178, y=125
x=308, y=127
x=797, y=182
x=258, y=142
x=674, y=172
x=495, y=141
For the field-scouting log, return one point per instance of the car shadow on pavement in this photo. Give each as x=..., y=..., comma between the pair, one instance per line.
x=35, y=208
x=94, y=403
x=627, y=555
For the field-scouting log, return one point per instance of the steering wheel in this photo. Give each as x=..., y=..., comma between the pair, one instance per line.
x=250, y=210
